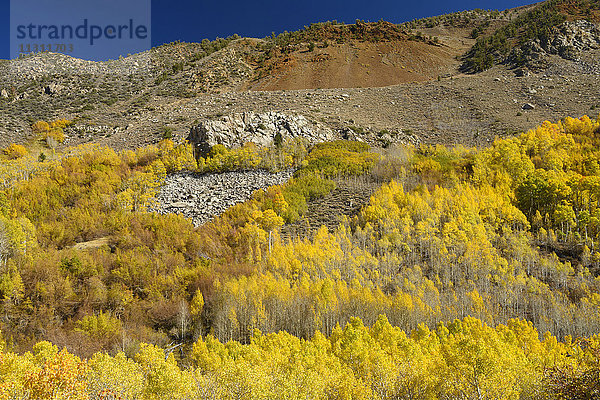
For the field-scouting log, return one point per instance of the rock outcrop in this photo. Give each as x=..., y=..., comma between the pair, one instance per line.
x=574, y=36
x=262, y=129
x=568, y=41
x=202, y=197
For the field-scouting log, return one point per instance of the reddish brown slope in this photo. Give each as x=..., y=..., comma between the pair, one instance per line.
x=330, y=55
x=359, y=64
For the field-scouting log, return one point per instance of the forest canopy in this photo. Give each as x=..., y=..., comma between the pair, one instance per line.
x=469, y=272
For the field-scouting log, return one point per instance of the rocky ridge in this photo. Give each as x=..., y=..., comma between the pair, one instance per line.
x=202, y=197
x=41, y=65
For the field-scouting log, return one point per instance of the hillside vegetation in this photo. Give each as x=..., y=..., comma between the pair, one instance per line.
x=479, y=267
x=536, y=24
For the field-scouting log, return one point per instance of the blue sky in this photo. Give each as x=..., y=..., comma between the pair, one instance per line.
x=189, y=20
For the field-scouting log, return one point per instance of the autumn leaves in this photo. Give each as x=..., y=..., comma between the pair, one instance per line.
x=475, y=239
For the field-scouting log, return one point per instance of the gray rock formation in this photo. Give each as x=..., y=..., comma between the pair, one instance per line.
x=52, y=88
x=202, y=197
x=573, y=37
x=236, y=129
x=568, y=41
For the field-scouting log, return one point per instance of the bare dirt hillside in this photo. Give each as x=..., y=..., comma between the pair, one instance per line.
x=360, y=64
x=415, y=51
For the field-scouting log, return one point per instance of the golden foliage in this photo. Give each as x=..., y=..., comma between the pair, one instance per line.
x=440, y=287
x=15, y=151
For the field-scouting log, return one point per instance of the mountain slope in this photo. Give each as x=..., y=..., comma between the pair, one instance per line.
x=540, y=25
x=335, y=71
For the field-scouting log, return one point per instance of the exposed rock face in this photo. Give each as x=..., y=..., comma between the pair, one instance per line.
x=578, y=35
x=236, y=129
x=568, y=41
x=202, y=197
x=52, y=88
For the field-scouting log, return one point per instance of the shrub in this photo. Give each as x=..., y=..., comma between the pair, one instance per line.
x=40, y=127
x=166, y=132
x=51, y=132
x=56, y=134
x=15, y=151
